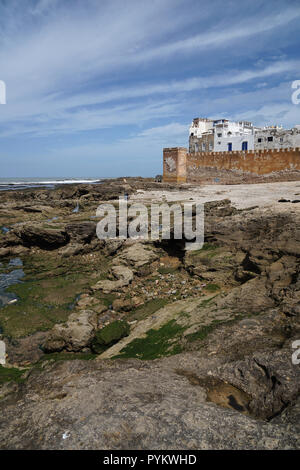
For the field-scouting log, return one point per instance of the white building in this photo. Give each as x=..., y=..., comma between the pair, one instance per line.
x=230, y=136
x=200, y=126
x=222, y=135
x=274, y=137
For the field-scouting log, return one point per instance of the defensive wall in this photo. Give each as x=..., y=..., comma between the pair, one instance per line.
x=179, y=166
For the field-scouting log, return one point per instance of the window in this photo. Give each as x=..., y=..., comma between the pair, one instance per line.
x=259, y=140
x=244, y=145
x=210, y=146
x=219, y=143
x=270, y=139
x=229, y=146
x=219, y=135
x=192, y=133
x=281, y=139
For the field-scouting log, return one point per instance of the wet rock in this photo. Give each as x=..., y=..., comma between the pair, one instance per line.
x=271, y=380
x=41, y=237
x=24, y=351
x=71, y=250
x=122, y=305
x=82, y=232
x=109, y=335
x=112, y=246
x=86, y=301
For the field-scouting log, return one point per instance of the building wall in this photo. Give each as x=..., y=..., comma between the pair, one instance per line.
x=276, y=138
x=202, y=144
x=200, y=125
x=221, y=143
x=175, y=164
x=180, y=166
x=218, y=134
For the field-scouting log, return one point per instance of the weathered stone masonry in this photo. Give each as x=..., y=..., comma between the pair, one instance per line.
x=181, y=166
x=175, y=164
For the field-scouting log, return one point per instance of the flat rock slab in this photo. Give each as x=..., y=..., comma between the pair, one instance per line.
x=126, y=405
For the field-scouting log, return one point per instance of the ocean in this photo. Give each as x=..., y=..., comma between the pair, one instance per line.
x=23, y=183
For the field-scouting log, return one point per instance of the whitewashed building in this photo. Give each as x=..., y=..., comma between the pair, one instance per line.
x=222, y=135
x=230, y=136
x=275, y=137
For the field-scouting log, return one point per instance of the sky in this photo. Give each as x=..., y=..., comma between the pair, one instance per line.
x=99, y=87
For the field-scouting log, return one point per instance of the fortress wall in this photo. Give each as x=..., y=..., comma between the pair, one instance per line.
x=180, y=166
x=175, y=164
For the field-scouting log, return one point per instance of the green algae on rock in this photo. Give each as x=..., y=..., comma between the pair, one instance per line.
x=109, y=335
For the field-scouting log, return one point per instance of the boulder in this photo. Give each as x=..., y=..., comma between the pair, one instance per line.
x=109, y=335
x=124, y=277
x=81, y=232
x=124, y=305
x=73, y=335
x=35, y=235
x=122, y=273
x=137, y=255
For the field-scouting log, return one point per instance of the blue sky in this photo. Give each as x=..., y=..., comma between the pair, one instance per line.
x=99, y=87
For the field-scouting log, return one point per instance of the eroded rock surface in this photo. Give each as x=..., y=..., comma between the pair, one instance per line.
x=73, y=335
x=213, y=330
x=127, y=405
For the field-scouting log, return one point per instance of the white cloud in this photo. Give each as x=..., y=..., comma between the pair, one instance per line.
x=107, y=64
x=55, y=113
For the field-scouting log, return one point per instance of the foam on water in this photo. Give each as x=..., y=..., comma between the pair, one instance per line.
x=24, y=183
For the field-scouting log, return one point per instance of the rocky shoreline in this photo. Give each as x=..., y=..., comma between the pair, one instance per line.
x=127, y=344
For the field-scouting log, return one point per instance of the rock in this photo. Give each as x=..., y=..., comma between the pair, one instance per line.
x=81, y=232
x=124, y=405
x=122, y=273
x=74, y=335
x=122, y=305
x=99, y=308
x=249, y=297
x=71, y=250
x=27, y=349
x=36, y=208
x=269, y=378
x=107, y=286
x=124, y=276
x=112, y=246
x=43, y=238
x=109, y=335
x=86, y=301
x=137, y=255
